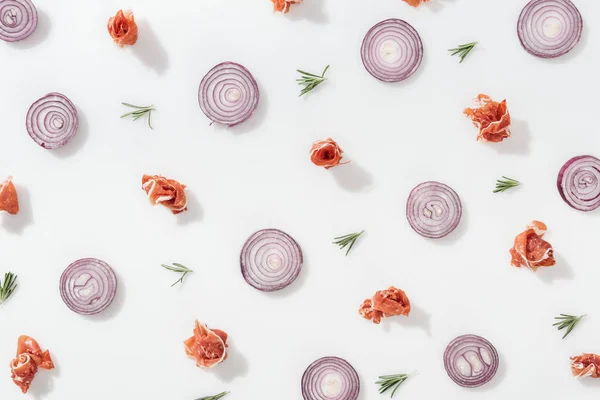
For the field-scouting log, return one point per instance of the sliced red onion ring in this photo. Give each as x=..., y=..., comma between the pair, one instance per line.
x=88, y=286
x=18, y=19
x=330, y=378
x=471, y=361
x=433, y=209
x=228, y=94
x=52, y=121
x=270, y=260
x=549, y=28
x=579, y=183
x=392, y=50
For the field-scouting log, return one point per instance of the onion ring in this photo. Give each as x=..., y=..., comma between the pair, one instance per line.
x=392, y=50
x=330, y=378
x=270, y=260
x=549, y=28
x=52, y=121
x=433, y=209
x=471, y=361
x=18, y=19
x=579, y=183
x=228, y=94
x=88, y=286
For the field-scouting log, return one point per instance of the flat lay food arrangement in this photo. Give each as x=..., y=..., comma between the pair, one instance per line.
x=348, y=202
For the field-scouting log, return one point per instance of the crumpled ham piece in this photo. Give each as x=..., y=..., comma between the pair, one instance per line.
x=284, y=5
x=208, y=346
x=123, y=29
x=415, y=3
x=29, y=358
x=326, y=153
x=586, y=364
x=491, y=118
x=530, y=250
x=8, y=197
x=168, y=192
x=385, y=303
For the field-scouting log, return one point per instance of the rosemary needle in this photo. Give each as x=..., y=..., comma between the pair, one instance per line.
x=505, y=184
x=310, y=81
x=139, y=112
x=8, y=286
x=215, y=397
x=567, y=321
x=387, y=382
x=346, y=240
x=178, y=268
x=463, y=50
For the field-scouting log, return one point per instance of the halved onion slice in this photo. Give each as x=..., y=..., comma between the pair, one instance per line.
x=228, y=94
x=392, y=50
x=549, y=28
x=433, y=209
x=270, y=260
x=18, y=19
x=471, y=361
x=88, y=286
x=579, y=183
x=330, y=378
x=52, y=121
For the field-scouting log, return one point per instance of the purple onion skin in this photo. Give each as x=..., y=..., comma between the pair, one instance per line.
x=592, y=177
x=99, y=275
x=56, y=132
x=221, y=115
x=310, y=379
x=250, y=270
x=20, y=12
x=475, y=346
x=423, y=225
x=529, y=36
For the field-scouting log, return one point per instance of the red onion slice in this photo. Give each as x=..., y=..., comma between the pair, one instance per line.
x=549, y=28
x=579, y=183
x=330, y=378
x=270, y=260
x=18, y=19
x=471, y=361
x=88, y=286
x=433, y=209
x=228, y=94
x=52, y=121
x=392, y=50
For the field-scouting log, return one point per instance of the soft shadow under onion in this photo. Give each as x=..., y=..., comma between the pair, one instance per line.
x=115, y=306
x=38, y=36
x=497, y=379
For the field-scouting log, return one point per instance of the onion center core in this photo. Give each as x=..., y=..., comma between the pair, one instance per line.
x=552, y=27
x=331, y=385
x=389, y=51
x=10, y=18
x=274, y=262
x=233, y=95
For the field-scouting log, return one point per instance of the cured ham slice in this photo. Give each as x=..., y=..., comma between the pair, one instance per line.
x=123, y=29
x=284, y=5
x=530, y=250
x=491, y=118
x=415, y=3
x=29, y=358
x=208, y=346
x=168, y=192
x=385, y=303
x=9, y=201
x=586, y=364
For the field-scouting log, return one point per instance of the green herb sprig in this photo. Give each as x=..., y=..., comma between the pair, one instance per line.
x=139, y=112
x=567, y=321
x=505, y=184
x=8, y=286
x=393, y=382
x=463, y=50
x=215, y=397
x=346, y=240
x=178, y=268
x=310, y=81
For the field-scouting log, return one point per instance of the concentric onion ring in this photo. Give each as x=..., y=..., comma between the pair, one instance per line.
x=270, y=260
x=330, y=378
x=471, y=361
x=88, y=286
x=433, y=209
x=52, y=121
x=549, y=28
x=228, y=94
x=392, y=50
x=18, y=19
x=579, y=183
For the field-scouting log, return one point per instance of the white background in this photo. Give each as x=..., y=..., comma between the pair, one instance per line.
x=85, y=200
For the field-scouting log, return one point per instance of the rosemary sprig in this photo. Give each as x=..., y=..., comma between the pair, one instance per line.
x=215, y=397
x=8, y=286
x=346, y=240
x=463, y=50
x=310, y=81
x=567, y=321
x=178, y=268
x=505, y=184
x=139, y=112
x=387, y=382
